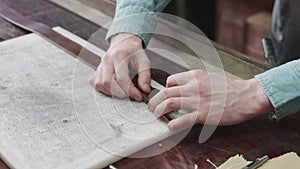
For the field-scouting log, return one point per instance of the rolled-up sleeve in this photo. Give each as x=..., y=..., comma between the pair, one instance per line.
x=282, y=86
x=136, y=24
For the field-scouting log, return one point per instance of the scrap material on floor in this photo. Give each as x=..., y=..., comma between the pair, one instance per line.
x=288, y=161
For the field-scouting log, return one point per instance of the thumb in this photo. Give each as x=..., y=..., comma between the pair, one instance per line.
x=184, y=121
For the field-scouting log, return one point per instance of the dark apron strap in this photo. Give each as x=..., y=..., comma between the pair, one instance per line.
x=285, y=30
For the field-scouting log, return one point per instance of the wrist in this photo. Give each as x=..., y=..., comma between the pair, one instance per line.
x=129, y=38
x=260, y=101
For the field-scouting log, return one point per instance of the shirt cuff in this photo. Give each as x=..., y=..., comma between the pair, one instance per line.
x=281, y=85
x=116, y=29
x=141, y=23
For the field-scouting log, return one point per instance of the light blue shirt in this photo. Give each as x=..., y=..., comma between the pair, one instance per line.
x=281, y=84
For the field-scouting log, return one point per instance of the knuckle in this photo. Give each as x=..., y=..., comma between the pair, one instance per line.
x=107, y=54
x=199, y=118
x=106, y=58
x=147, y=74
x=165, y=93
x=199, y=74
x=199, y=83
x=106, y=83
x=98, y=85
x=170, y=103
x=169, y=79
x=112, y=54
x=196, y=73
x=119, y=53
x=115, y=53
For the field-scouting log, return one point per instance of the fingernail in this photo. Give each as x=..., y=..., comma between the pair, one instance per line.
x=151, y=108
x=146, y=87
x=138, y=97
x=156, y=115
x=171, y=125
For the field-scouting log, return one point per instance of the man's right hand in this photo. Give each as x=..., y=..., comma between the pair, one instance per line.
x=112, y=75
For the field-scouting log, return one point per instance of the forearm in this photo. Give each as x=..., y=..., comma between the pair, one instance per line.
x=281, y=85
x=128, y=18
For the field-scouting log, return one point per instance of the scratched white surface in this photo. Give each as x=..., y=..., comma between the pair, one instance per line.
x=50, y=117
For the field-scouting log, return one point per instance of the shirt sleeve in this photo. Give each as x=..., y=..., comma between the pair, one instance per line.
x=282, y=86
x=135, y=25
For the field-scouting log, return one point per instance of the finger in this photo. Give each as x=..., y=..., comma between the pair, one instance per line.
x=172, y=104
x=96, y=82
x=106, y=73
x=177, y=91
x=142, y=66
x=184, y=121
x=116, y=90
x=92, y=79
x=123, y=79
x=144, y=79
x=109, y=83
x=179, y=79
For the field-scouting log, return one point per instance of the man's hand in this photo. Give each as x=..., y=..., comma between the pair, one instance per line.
x=192, y=91
x=112, y=75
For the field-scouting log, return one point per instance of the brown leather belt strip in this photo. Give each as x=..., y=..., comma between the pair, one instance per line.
x=64, y=43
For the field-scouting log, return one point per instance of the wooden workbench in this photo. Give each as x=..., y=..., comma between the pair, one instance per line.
x=252, y=139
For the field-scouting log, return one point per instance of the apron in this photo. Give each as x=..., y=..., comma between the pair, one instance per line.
x=285, y=30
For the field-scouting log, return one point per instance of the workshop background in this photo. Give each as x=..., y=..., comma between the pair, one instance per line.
x=235, y=24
